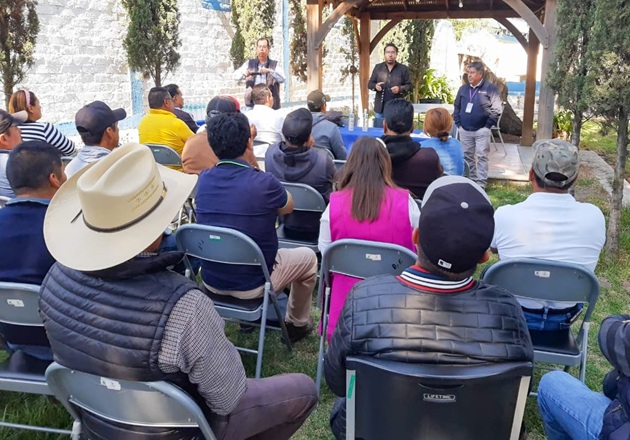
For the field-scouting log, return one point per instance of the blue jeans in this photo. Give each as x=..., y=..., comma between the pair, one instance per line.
x=569, y=409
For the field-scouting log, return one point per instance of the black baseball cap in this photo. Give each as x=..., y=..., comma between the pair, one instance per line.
x=8, y=120
x=456, y=223
x=96, y=116
x=297, y=126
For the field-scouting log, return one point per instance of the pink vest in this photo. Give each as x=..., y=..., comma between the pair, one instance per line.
x=391, y=226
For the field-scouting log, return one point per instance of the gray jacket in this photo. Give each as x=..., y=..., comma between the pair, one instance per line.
x=326, y=135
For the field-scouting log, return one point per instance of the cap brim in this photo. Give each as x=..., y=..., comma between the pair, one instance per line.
x=449, y=180
x=119, y=114
x=20, y=117
x=75, y=245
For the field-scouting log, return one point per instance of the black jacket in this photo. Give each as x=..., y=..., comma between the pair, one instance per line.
x=398, y=76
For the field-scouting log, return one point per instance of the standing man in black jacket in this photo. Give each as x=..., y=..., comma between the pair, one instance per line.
x=477, y=323
x=477, y=108
x=390, y=80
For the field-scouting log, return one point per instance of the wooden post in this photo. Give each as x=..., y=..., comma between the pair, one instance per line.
x=530, y=89
x=313, y=53
x=364, y=57
x=547, y=97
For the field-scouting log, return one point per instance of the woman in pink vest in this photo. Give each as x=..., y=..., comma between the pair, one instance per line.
x=367, y=206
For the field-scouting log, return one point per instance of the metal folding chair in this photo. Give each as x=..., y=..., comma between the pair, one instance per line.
x=305, y=199
x=339, y=164
x=165, y=155
x=497, y=129
x=19, y=305
x=558, y=282
x=359, y=259
x=230, y=247
x=128, y=403
x=398, y=400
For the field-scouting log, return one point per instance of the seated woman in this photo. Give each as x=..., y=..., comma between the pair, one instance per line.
x=38, y=131
x=367, y=206
x=438, y=123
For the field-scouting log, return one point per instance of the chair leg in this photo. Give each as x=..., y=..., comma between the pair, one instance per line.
x=502, y=143
x=322, y=342
x=76, y=431
x=585, y=328
x=283, y=327
x=261, y=336
x=494, y=143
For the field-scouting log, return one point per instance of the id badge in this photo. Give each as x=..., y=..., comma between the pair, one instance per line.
x=469, y=107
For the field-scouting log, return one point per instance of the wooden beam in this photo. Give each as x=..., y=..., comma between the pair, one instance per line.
x=547, y=97
x=364, y=57
x=530, y=90
x=514, y=31
x=333, y=18
x=313, y=53
x=386, y=13
x=531, y=19
x=384, y=30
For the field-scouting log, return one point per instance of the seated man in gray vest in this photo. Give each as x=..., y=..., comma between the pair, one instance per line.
x=434, y=312
x=111, y=306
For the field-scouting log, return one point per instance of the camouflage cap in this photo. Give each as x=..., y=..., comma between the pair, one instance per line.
x=555, y=162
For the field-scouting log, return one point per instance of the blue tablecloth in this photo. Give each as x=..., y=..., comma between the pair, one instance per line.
x=349, y=137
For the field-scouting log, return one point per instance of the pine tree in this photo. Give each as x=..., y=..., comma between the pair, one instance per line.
x=298, y=40
x=254, y=19
x=153, y=37
x=19, y=26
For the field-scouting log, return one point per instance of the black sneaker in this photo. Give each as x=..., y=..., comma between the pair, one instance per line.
x=298, y=333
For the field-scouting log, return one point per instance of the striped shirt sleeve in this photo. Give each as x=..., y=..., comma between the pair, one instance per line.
x=195, y=344
x=55, y=138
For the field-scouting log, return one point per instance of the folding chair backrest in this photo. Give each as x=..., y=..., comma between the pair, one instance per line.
x=546, y=280
x=141, y=404
x=364, y=259
x=165, y=155
x=19, y=304
x=305, y=197
x=397, y=400
x=339, y=164
x=220, y=245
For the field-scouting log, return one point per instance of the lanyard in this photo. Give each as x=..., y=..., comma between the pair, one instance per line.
x=223, y=162
x=471, y=94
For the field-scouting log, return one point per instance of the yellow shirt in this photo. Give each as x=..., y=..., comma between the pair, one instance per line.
x=164, y=128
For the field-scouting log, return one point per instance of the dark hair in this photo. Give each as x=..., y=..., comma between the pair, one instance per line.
x=30, y=164
x=477, y=65
x=424, y=262
x=260, y=93
x=173, y=90
x=438, y=122
x=264, y=39
x=399, y=115
x=157, y=95
x=94, y=138
x=220, y=104
x=555, y=177
x=390, y=45
x=228, y=134
x=367, y=172
x=21, y=100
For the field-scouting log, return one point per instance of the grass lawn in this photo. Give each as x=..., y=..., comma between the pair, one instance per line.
x=615, y=284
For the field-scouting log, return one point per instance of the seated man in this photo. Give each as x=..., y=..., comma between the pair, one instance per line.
x=35, y=172
x=413, y=167
x=268, y=122
x=477, y=323
x=234, y=195
x=178, y=101
x=570, y=410
x=97, y=125
x=294, y=160
x=161, y=126
x=197, y=155
x=10, y=137
x=550, y=224
x=153, y=324
x=325, y=133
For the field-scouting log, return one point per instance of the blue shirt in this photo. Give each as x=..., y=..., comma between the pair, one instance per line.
x=450, y=152
x=5, y=187
x=234, y=195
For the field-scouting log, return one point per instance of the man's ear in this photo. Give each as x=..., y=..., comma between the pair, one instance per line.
x=250, y=143
x=485, y=257
x=384, y=125
x=415, y=236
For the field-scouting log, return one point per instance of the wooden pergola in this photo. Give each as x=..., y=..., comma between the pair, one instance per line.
x=540, y=15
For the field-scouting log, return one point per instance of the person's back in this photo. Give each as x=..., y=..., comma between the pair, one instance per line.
x=413, y=167
x=268, y=122
x=434, y=312
x=325, y=133
x=438, y=123
x=296, y=161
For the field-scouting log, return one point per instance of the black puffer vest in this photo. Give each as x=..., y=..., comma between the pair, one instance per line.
x=271, y=82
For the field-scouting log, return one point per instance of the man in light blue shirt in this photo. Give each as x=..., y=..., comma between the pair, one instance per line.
x=97, y=125
x=10, y=137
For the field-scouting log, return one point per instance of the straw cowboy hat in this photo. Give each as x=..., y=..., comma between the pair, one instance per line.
x=112, y=210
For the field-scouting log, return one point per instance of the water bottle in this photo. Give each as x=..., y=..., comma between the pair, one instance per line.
x=365, y=120
x=351, y=121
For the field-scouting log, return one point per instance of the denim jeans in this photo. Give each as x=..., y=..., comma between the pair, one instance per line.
x=569, y=409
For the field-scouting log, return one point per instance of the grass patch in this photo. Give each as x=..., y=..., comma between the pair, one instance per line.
x=605, y=144
x=613, y=274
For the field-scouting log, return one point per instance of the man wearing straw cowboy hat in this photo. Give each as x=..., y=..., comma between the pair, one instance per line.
x=112, y=308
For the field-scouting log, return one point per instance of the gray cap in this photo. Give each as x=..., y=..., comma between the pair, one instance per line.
x=555, y=162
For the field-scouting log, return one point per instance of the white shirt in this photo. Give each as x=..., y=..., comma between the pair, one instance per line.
x=268, y=123
x=277, y=74
x=552, y=227
x=324, y=224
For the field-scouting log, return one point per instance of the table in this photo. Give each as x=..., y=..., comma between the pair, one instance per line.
x=349, y=137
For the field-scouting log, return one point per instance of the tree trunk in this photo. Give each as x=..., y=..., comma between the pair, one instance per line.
x=614, y=222
x=510, y=122
x=577, y=129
